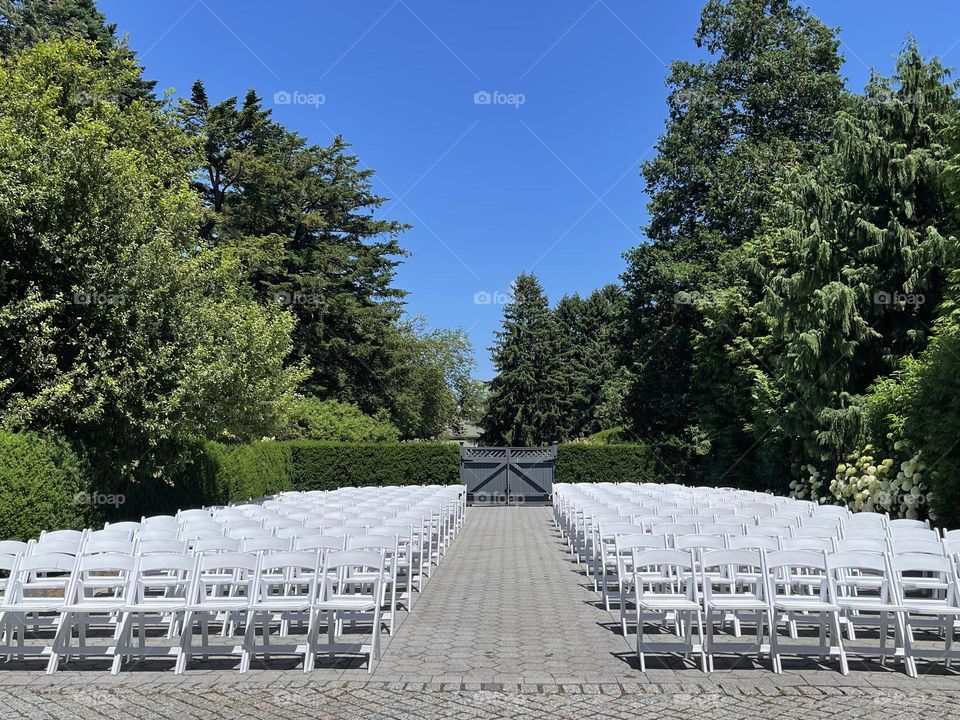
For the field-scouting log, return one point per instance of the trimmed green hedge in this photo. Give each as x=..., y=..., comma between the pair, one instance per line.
x=327, y=466
x=43, y=486
x=580, y=462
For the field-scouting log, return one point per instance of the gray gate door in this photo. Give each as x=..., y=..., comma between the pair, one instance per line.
x=507, y=475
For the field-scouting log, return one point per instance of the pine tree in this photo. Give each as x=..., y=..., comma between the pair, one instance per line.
x=524, y=404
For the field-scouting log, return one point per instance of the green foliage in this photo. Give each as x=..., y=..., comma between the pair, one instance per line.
x=25, y=23
x=582, y=462
x=760, y=104
x=243, y=472
x=863, y=227
x=310, y=418
x=327, y=466
x=524, y=406
x=117, y=329
x=300, y=220
x=41, y=481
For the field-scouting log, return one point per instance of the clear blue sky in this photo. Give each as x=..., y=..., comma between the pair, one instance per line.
x=549, y=184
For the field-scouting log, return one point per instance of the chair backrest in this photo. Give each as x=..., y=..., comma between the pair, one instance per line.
x=917, y=546
x=815, y=544
x=95, y=546
x=31, y=574
x=291, y=573
x=320, y=542
x=873, y=545
x=714, y=542
x=726, y=564
x=233, y=572
x=672, y=567
x=846, y=569
x=266, y=545
x=217, y=545
x=163, y=574
x=12, y=547
x=161, y=545
x=798, y=572
x=900, y=523
x=717, y=528
x=376, y=543
x=672, y=528
x=91, y=570
x=338, y=567
x=65, y=547
x=61, y=535
x=753, y=542
x=246, y=532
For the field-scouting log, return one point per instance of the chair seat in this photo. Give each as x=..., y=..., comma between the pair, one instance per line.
x=930, y=607
x=156, y=604
x=347, y=602
x=867, y=604
x=667, y=602
x=107, y=604
x=798, y=603
x=34, y=605
x=220, y=604
x=737, y=602
x=281, y=604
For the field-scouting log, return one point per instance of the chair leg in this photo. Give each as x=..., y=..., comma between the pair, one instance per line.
x=124, y=630
x=186, y=641
x=59, y=642
x=643, y=664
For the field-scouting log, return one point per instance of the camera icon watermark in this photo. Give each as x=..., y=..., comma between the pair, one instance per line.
x=98, y=499
x=296, y=97
x=895, y=297
x=495, y=97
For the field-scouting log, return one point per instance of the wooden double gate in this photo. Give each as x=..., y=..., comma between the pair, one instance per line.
x=507, y=475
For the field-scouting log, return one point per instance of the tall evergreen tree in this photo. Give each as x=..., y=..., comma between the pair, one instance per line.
x=523, y=408
x=588, y=334
x=854, y=262
x=761, y=104
x=300, y=219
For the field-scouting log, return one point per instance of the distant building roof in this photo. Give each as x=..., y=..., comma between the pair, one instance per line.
x=466, y=431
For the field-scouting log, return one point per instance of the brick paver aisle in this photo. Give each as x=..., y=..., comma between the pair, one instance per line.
x=507, y=605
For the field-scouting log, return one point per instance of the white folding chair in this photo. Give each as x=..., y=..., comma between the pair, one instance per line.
x=341, y=595
x=87, y=597
x=162, y=583
x=285, y=591
x=798, y=588
x=727, y=591
x=223, y=585
x=874, y=603
x=672, y=589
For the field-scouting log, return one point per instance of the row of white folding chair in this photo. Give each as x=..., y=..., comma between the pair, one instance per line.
x=816, y=587
x=253, y=586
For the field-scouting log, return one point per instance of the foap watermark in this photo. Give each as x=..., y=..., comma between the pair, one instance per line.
x=296, y=97
x=285, y=297
x=895, y=297
x=92, y=297
x=497, y=297
x=498, y=498
x=98, y=499
x=692, y=297
x=495, y=97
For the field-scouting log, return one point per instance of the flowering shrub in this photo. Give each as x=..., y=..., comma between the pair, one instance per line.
x=863, y=484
